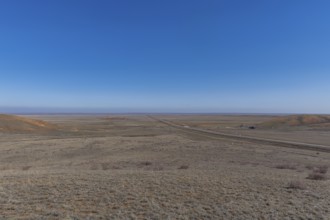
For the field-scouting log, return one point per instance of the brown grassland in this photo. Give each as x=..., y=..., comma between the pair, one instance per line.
x=135, y=167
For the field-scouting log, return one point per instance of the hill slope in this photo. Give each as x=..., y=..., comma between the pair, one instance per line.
x=297, y=120
x=16, y=124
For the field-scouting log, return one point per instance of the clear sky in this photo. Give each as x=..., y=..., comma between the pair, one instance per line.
x=165, y=56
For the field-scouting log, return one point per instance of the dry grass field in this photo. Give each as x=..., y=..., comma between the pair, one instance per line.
x=135, y=167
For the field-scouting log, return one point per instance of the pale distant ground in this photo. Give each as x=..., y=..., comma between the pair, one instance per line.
x=134, y=167
x=305, y=128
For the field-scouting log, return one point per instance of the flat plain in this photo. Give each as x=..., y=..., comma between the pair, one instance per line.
x=136, y=167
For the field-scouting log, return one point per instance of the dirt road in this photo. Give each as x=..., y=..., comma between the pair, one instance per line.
x=215, y=135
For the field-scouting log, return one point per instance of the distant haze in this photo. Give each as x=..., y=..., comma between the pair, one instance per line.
x=171, y=56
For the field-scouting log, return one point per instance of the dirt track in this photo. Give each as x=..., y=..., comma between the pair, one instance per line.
x=212, y=134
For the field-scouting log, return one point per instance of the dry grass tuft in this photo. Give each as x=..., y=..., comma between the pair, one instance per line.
x=183, y=167
x=316, y=176
x=115, y=167
x=146, y=163
x=318, y=173
x=309, y=166
x=94, y=166
x=286, y=166
x=322, y=169
x=296, y=184
x=158, y=168
x=105, y=166
x=26, y=168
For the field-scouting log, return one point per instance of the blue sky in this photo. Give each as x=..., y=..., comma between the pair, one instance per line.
x=165, y=56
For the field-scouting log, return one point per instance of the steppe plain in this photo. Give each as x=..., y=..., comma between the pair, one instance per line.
x=136, y=167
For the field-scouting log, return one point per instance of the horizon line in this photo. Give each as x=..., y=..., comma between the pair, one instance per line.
x=156, y=113
x=20, y=110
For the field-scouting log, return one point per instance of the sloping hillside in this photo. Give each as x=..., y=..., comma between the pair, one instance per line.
x=296, y=120
x=16, y=124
